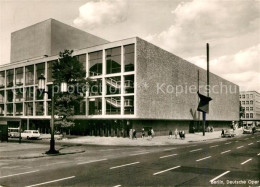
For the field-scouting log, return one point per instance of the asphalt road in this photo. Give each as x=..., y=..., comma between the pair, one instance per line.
x=230, y=162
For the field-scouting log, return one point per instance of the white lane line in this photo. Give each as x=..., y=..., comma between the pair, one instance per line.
x=228, y=143
x=124, y=165
x=219, y=176
x=51, y=181
x=139, y=153
x=91, y=161
x=108, y=150
x=203, y=158
x=251, y=144
x=166, y=170
x=170, y=149
x=225, y=152
x=10, y=167
x=191, y=146
x=246, y=161
x=240, y=147
x=18, y=174
x=168, y=156
x=214, y=146
x=117, y=185
x=195, y=150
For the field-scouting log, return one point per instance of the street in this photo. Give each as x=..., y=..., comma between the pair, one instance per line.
x=230, y=162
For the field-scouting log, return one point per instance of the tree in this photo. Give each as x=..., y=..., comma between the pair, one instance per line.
x=68, y=69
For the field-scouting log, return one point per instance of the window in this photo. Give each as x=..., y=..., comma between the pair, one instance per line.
x=247, y=102
x=129, y=84
x=2, y=79
x=240, y=96
x=243, y=102
x=251, y=108
x=10, y=95
x=247, y=96
x=29, y=94
x=29, y=109
x=251, y=96
x=2, y=96
x=19, y=94
x=40, y=69
x=49, y=73
x=19, y=109
x=9, y=111
x=10, y=78
x=113, y=105
x=39, y=94
x=19, y=76
x=247, y=108
x=95, y=106
x=243, y=96
x=129, y=57
x=80, y=108
x=129, y=105
x=39, y=108
x=49, y=108
x=247, y=115
x=82, y=60
x=251, y=115
x=96, y=87
x=251, y=102
x=95, y=63
x=113, y=60
x=113, y=85
x=29, y=75
x=2, y=109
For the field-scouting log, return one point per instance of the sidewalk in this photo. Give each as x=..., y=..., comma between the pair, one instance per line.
x=156, y=141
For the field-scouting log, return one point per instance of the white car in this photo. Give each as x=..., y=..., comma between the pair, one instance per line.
x=31, y=134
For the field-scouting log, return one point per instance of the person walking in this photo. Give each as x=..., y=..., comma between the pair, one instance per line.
x=176, y=133
x=149, y=133
x=152, y=133
x=143, y=133
x=170, y=133
x=134, y=134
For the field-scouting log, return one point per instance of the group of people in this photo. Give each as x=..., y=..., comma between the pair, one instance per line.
x=132, y=133
x=181, y=133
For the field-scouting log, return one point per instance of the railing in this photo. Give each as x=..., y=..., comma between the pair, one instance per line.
x=114, y=102
x=129, y=84
x=114, y=83
x=129, y=102
x=92, y=73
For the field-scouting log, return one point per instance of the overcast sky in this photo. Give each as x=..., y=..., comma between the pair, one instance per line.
x=232, y=27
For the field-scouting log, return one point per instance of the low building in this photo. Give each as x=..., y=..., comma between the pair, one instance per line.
x=250, y=103
x=138, y=85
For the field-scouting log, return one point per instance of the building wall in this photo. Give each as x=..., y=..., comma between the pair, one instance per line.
x=246, y=97
x=156, y=67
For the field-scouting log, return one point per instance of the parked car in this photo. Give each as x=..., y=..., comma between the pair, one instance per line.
x=228, y=133
x=31, y=134
x=13, y=132
x=247, y=131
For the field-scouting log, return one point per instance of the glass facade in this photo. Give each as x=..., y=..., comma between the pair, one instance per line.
x=19, y=95
x=2, y=96
x=10, y=110
x=49, y=69
x=19, y=76
x=2, y=79
x=2, y=109
x=29, y=108
x=10, y=95
x=95, y=63
x=10, y=78
x=39, y=108
x=129, y=57
x=96, y=87
x=29, y=94
x=95, y=106
x=129, y=105
x=113, y=85
x=113, y=105
x=40, y=69
x=29, y=75
x=80, y=109
x=129, y=84
x=18, y=109
x=113, y=60
x=82, y=60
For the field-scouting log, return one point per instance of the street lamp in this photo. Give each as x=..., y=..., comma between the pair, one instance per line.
x=41, y=87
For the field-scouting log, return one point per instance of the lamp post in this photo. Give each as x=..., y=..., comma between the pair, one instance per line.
x=41, y=87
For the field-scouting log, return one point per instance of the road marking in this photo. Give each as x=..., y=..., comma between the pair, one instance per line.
x=139, y=153
x=124, y=165
x=51, y=181
x=117, y=185
x=108, y=150
x=225, y=152
x=19, y=174
x=246, y=161
x=251, y=144
x=214, y=146
x=166, y=170
x=191, y=146
x=228, y=143
x=10, y=167
x=219, y=176
x=168, y=156
x=240, y=147
x=203, y=158
x=170, y=149
x=195, y=150
x=91, y=161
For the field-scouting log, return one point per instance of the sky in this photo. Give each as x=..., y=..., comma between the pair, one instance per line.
x=182, y=27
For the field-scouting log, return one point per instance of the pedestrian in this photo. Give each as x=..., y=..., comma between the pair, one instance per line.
x=143, y=133
x=149, y=133
x=170, y=133
x=134, y=134
x=180, y=134
x=152, y=133
x=176, y=133
x=222, y=133
x=131, y=133
x=183, y=134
